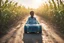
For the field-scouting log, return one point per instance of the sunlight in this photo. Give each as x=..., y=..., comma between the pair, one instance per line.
x=30, y=3
x=37, y=3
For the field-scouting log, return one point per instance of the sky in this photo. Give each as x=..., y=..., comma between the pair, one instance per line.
x=30, y=3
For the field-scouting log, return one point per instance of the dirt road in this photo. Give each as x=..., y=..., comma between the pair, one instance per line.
x=16, y=35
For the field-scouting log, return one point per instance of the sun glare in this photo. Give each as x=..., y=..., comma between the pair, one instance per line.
x=37, y=3
x=30, y=3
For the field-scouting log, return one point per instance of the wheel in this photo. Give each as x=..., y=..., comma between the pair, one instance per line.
x=25, y=30
x=40, y=32
x=40, y=29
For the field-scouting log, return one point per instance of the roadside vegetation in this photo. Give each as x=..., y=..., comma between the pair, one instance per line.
x=53, y=11
x=10, y=12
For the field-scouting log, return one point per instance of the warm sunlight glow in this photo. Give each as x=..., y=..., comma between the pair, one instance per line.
x=37, y=3
x=30, y=3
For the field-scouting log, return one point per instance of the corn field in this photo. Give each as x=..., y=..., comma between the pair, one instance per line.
x=53, y=11
x=9, y=13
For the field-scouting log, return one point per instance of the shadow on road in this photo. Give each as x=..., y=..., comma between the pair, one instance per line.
x=32, y=38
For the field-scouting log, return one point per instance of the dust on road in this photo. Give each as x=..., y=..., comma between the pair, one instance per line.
x=17, y=35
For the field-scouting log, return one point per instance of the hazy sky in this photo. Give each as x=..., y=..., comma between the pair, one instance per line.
x=30, y=3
